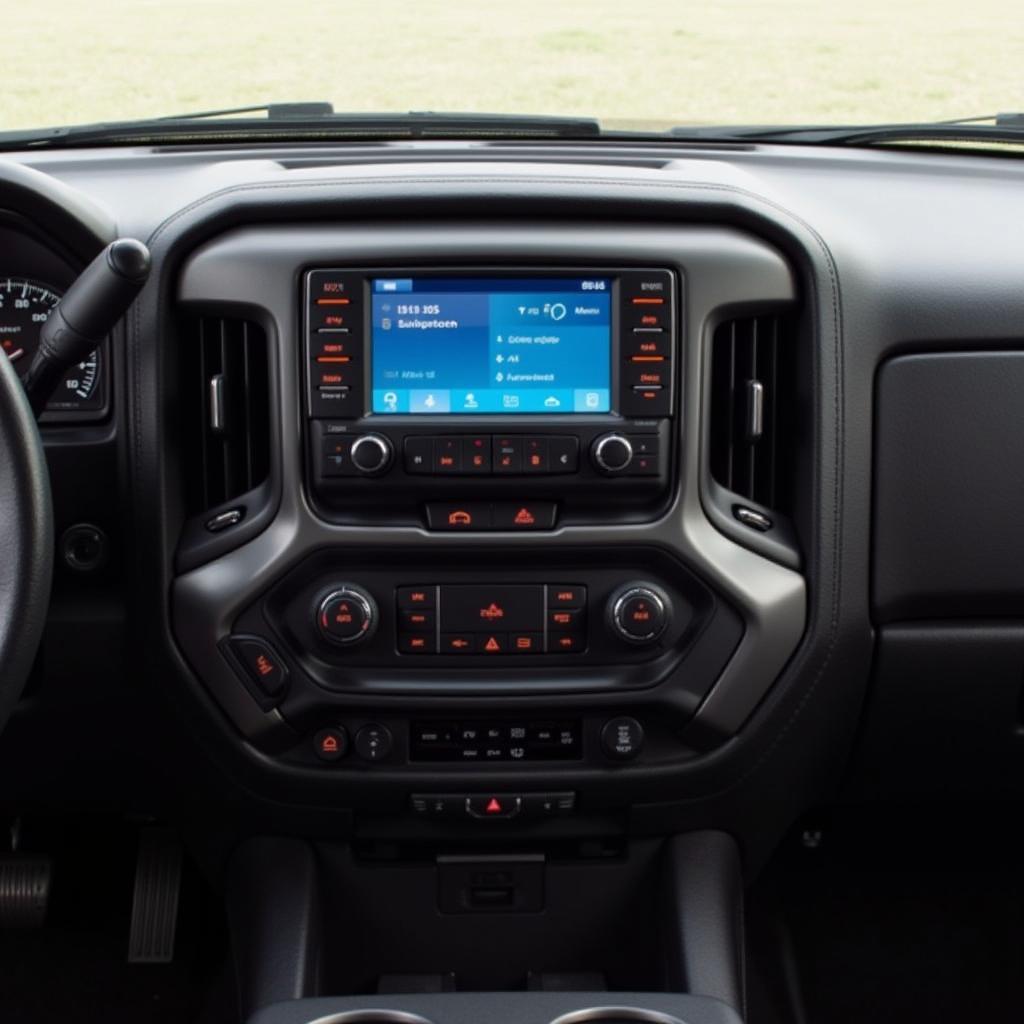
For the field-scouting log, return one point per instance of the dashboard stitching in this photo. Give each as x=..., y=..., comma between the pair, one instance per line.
x=697, y=187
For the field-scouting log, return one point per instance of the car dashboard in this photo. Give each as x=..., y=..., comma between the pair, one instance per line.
x=498, y=498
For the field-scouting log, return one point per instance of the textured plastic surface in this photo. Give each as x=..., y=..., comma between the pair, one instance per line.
x=949, y=540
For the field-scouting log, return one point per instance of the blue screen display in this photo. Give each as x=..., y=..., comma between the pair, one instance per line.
x=491, y=345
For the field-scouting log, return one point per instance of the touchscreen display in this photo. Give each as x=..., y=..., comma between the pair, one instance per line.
x=491, y=345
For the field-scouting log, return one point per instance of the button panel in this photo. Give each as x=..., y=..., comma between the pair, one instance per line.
x=491, y=454
x=473, y=516
x=492, y=806
x=484, y=742
x=646, y=329
x=335, y=344
x=492, y=620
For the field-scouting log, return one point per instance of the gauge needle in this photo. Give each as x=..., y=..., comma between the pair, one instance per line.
x=16, y=354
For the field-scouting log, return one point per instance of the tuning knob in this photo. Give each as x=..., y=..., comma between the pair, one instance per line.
x=639, y=613
x=612, y=453
x=371, y=454
x=347, y=616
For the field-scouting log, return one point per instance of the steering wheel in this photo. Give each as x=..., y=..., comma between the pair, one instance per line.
x=26, y=539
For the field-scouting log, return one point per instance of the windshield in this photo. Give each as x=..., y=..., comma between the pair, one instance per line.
x=644, y=66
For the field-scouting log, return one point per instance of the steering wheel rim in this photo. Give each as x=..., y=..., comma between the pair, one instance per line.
x=26, y=539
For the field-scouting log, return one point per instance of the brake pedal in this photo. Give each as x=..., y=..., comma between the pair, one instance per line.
x=157, y=893
x=24, y=890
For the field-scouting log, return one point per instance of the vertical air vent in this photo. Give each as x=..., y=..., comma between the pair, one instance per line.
x=751, y=409
x=225, y=411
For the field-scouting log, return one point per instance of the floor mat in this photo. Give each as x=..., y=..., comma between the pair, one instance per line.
x=901, y=918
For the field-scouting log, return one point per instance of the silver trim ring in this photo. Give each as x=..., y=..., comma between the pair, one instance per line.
x=652, y=596
x=372, y=1015
x=356, y=598
x=383, y=446
x=615, y=1013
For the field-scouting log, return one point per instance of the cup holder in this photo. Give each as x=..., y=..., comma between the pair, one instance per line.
x=616, y=1015
x=372, y=1016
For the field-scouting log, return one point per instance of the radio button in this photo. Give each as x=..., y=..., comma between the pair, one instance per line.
x=648, y=375
x=416, y=643
x=646, y=401
x=447, y=454
x=566, y=643
x=416, y=597
x=563, y=454
x=535, y=455
x=457, y=643
x=526, y=643
x=416, y=620
x=476, y=455
x=566, y=596
x=328, y=347
x=641, y=346
x=562, y=619
x=419, y=454
x=508, y=454
x=337, y=456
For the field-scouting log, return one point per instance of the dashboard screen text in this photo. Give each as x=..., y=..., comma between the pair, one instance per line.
x=491, y=345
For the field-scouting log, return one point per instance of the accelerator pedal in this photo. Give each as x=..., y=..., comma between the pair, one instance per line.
x=157, y=893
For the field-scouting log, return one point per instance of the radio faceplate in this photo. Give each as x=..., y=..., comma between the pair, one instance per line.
x=551, y=390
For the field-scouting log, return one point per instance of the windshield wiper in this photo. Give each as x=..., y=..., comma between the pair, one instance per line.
x=990, y=128
x=297, y=121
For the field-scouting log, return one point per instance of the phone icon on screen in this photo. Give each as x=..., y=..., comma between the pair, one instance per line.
x=460, y=518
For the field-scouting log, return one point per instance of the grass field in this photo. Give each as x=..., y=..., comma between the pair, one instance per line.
x=671, y=60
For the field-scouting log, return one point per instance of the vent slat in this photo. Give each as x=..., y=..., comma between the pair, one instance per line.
x=746, y=352
x=220, y=466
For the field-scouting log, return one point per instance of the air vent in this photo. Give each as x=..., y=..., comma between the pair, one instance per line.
x=225, y=411
x=751, y=410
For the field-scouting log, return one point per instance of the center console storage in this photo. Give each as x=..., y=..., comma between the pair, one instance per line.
x=390, y=925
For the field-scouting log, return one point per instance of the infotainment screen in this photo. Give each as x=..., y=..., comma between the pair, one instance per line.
x=479, y=345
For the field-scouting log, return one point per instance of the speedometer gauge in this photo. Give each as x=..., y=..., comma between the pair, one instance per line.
x=24, y=308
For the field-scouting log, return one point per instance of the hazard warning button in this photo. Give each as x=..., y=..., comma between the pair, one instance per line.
x=494, y=805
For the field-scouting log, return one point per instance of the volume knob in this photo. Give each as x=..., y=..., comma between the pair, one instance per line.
x=612, y=453
x=371, y=453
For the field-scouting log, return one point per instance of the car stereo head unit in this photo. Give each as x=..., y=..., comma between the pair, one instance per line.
x=488, y=374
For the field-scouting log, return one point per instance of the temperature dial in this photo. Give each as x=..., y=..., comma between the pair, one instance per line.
x=639, y=613
x=347, y=616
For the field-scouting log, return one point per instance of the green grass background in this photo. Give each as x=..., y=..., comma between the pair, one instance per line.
x=702, y=62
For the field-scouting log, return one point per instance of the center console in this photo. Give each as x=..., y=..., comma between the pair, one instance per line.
x=483, y=586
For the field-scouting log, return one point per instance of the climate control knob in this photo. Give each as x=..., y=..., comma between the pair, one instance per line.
x=639, y=613
x=371, y=454
x=612, y=453
x=347, y=616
